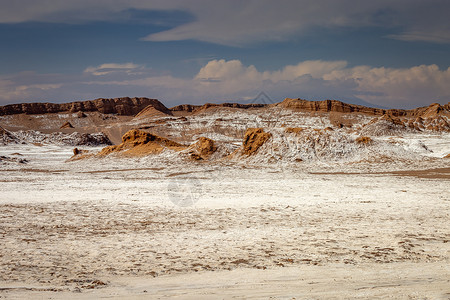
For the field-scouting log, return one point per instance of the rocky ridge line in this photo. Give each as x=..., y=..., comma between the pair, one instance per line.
x=342, y=107
x=197, y=108
x=122, y=106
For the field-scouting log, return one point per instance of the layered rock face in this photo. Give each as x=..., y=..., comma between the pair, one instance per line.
x=140, y=143
x=152, y=111
x=202, y=149
x=132, y=106
x=328, y=106
x=337, y=106
x=254, y=138
x=121, y=106
x=196, y=108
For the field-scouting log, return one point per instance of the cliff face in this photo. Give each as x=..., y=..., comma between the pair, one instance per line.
x=139, y=143
x=337, y=106
x=431, y=111
x=195, y=108
x=328, y=106
x=152, y=111
x=132, y=106
x=121, y=106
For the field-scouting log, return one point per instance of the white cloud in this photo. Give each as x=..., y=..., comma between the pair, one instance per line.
x=224, y=80
x=11, y=91
x=221, y=80
x=434, y=36
x=227, y=76
x=242, y=22
x=314, y=68
x=106, y=69
x=416, y=86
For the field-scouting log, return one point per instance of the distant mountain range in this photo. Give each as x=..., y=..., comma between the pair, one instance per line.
x=133, y=106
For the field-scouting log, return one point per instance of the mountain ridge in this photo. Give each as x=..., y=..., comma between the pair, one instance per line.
x=127, y=106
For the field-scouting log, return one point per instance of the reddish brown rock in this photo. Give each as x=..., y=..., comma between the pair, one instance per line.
x=202, y=149
x=363, y=140
x=152, y=111
x=121, y=106
x=254, y=138
x=140, y=143
x=295, y=130
x=197, y=108
x=328, y=106
x=433, y=110
x=66, y=125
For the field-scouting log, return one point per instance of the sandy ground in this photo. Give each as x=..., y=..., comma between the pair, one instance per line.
x=145, y=229
x=333, y=281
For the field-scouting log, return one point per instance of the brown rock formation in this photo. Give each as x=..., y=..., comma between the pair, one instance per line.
x=77, y=151
x=196, y=108
x=433, y=110
x=363, y=140
x=121, y=106
x=434, y=120
x=140, y=143
x=152, y=111
x=254, y=138
x=295, y=130
x=185, y=108
x=3, y=131
x=384, y=125
x=430, y=111
x=66, y=125
x=202, y=149
x=390, y=119
x=329, y=106
x=133, y=106
x=6, y=137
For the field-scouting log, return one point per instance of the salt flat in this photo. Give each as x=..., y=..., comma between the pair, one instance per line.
x=152, y=227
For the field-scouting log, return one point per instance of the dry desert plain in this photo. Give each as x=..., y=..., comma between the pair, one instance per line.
x=279, y=201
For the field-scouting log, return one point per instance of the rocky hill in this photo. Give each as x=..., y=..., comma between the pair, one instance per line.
x=145, y=106
x=225, y=123
x=338, y=106
x=121, y=106
x=198, y=108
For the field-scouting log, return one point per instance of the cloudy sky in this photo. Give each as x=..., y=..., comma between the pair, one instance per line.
x=389, y=53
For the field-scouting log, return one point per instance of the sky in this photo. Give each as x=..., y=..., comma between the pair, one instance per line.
x=384, y=53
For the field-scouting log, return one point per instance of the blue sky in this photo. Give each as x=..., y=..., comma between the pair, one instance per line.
x=386, y=53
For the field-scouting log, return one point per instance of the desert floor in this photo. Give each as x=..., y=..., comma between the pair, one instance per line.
x=143, y=228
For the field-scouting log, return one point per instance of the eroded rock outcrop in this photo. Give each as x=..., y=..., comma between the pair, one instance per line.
x=54, y=138
x=7, y=137
x=329, y=106
x=66, y=125
x=152, y=111
x=202, y=149
x=254, y=138
x=431, y=111
x=197, y=108
x=122, y=106
x=384, y=125
x=140, y=143
x=391, y=125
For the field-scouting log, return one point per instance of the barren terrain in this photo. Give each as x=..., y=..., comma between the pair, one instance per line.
x=309, y=213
